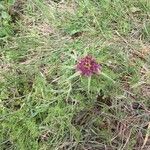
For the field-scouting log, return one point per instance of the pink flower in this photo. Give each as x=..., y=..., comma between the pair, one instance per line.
x=88, y=66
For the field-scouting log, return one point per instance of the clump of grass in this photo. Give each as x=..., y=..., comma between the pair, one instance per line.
x=5, y=19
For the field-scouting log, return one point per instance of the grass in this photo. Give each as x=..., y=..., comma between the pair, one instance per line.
x=45, y=105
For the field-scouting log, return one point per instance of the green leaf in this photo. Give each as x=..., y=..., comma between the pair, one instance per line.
x=5, y=15
x=106, y=76
x=73, y=76
x=2, y=7
x=11, y=2
x=89, y=83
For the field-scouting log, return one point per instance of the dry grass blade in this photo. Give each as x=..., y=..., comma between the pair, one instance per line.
x=146, y=137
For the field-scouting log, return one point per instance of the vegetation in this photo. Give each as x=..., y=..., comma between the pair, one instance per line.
x=45, y=104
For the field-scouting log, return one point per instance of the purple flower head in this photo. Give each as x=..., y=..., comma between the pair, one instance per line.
x=88, y=66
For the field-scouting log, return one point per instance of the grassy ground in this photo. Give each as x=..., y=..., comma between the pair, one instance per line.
x=44, y=106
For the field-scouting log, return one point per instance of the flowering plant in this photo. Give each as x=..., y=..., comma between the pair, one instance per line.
x=87, y=66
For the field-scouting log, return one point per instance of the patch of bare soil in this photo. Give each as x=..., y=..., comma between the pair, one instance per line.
x=16, y=10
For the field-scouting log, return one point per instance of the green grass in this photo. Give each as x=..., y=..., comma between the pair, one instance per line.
x=44, y=105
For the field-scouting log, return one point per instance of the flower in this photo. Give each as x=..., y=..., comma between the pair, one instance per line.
x=88, y=66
